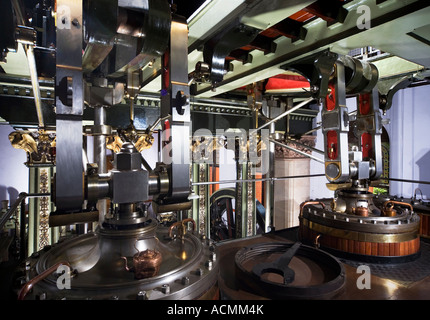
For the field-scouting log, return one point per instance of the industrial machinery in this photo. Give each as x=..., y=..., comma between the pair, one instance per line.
x=356, y=222
x=109, y=80
x=100, y=47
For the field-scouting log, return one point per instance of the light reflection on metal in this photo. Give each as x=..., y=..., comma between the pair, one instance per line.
x=40, y=145
x=181, y=228
x=146, y=264
x=35, y=83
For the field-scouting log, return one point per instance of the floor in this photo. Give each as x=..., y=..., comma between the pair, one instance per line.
x=399, y=281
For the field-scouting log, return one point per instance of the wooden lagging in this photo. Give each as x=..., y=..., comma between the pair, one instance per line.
x=424, y=225
x=360, y=247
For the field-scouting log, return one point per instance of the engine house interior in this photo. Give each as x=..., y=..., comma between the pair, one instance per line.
x=214, y=150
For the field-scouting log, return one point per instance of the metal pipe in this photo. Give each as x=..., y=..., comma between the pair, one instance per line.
x=241, y=199
x=100, y=140
x=313, y=130
x=258, y=180
x=145, y=163
x=282, y=115
x=297, y=151
x=100, y=156
x=20, y=201
x=35, y=83
x=403, y=180
x=155, y=124
x=182, y=227
x=286, y=178
x=29, y=285
x=385, y=205
x=306, y=146
x=22, y=223
x=415, y=194
x=73, y=218
x=303, y=205
x=21, y=196
x=269, y=198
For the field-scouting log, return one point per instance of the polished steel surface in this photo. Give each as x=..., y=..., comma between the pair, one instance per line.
x=69, y=107
x=35, y=84
x=404, y=221
x=188, y=270
x=70, y=169
x=175, y=101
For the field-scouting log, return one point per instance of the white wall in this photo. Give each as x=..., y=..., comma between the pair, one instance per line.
x=227, y=168
x=13, y=172
x=410, y=140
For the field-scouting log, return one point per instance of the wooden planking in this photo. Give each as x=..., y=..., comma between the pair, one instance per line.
x=362, y=247
x=424, y=224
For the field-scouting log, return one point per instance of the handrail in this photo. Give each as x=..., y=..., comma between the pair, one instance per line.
x=22, y=196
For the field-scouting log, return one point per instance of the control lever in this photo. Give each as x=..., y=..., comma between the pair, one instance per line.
x=279, y=266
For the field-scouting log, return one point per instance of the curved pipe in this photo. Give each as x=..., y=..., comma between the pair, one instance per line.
x=181, y=225
x=317, y=241
x=384, y=206
x=29, y=285
x=307, y=203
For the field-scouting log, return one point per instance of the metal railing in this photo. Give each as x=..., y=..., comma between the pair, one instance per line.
x=20, y=202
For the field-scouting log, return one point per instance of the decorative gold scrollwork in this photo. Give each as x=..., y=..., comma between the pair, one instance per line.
x=39, y=145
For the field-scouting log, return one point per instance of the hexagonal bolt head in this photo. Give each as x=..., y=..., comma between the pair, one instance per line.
x=128, y=158
x=142, y=295
x=165, y=288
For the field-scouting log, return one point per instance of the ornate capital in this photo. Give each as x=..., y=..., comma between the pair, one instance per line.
x=39, y=146
x=284, y=153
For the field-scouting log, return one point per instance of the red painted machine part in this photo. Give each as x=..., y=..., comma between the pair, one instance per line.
x=331, y=98
x=364, y=103
x=366, y=145
x=285, y=82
